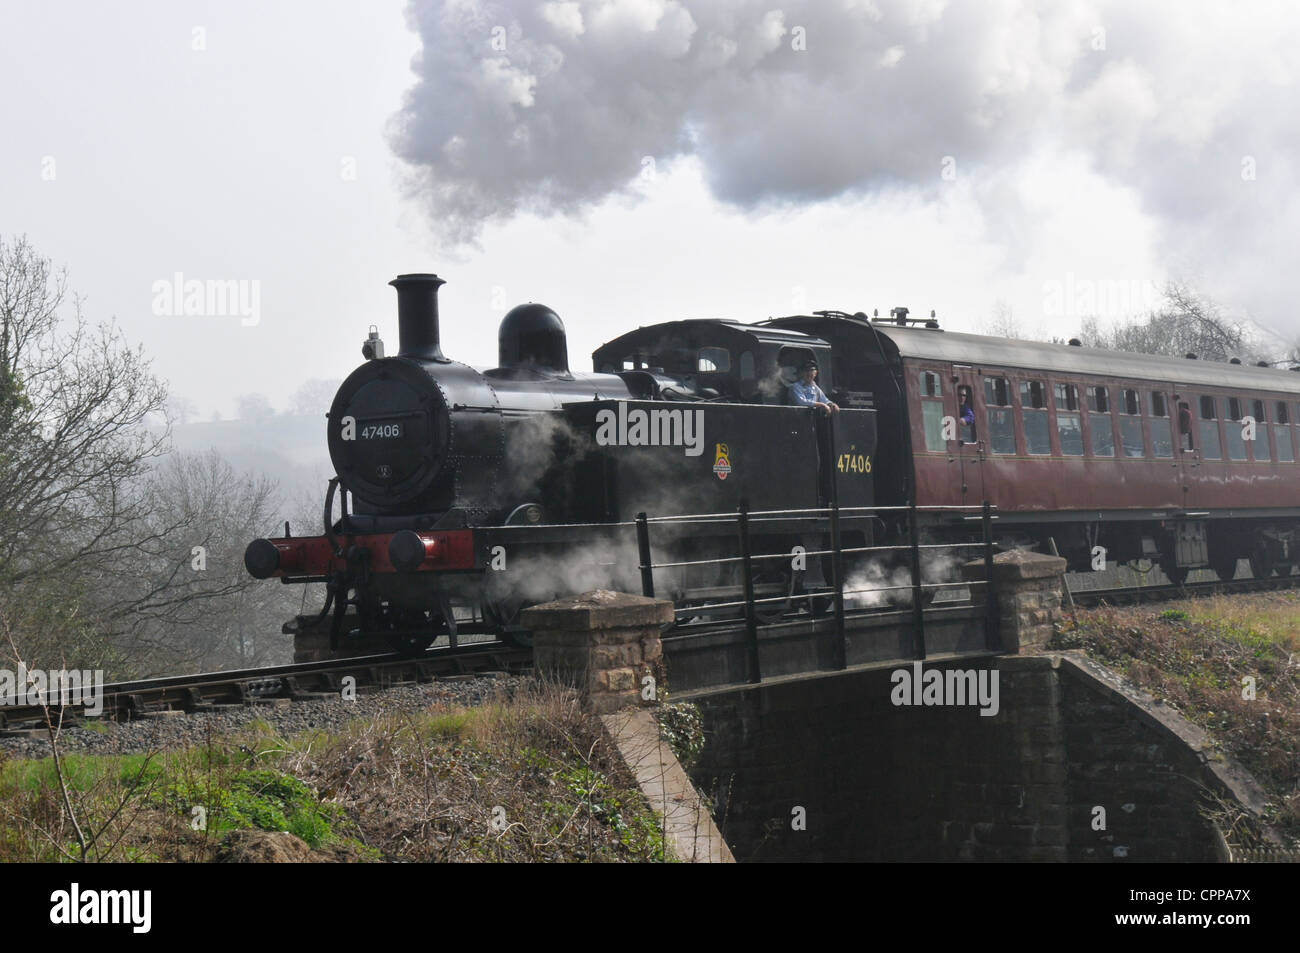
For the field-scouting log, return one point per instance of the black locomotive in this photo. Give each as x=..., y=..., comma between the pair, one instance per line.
x=466, y=494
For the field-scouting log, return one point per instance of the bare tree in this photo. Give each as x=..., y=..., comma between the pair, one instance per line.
x=180, y=410
x=111, y=556
x=314, y=397
x=254, y=408
x=1002, y=322
x=182, y=600
x=1189, y=323
x=72, y=427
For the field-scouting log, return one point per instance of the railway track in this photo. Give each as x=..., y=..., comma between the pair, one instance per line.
x=1135, y=595
x=958, y=594
x=303, y=681
x=281, y=684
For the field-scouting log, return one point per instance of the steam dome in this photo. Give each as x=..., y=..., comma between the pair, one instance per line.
x=532, y=335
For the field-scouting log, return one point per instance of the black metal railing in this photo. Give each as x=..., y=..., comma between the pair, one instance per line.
x=744, y=520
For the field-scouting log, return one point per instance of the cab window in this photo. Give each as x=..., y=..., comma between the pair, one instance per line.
x=713, y=359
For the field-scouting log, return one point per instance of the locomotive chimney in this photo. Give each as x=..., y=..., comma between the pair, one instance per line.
x=417, y=316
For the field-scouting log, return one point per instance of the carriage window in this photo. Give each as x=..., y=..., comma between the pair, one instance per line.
x=1130, y=425
x=1067, y=397
x=996, y=393
x=714, y=359
x=1234, y=430
x=1033, y=411
x=932, y=421
x=1162, y=442
x=1103, y=438
x=1210, y=447
x=1069, y=431
x=746, y=365
x=1002, y=421
x=1259, y=446
x=1282, y=433
x=932, y=411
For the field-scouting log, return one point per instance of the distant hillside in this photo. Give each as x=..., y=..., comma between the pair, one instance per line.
x=289, y=448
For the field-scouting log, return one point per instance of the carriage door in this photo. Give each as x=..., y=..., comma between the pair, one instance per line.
x=1187, y=450
x=970, y=434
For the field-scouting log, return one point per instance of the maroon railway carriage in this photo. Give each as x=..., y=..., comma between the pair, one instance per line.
x=1180, y=462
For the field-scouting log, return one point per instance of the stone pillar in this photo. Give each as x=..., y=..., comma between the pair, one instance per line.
x=1028, y=587
x=602, y=642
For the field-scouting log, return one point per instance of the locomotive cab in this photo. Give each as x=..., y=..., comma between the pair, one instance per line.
x=715, y=360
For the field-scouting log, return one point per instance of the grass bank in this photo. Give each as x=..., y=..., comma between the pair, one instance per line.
x=521, y=778
x=1230, y=664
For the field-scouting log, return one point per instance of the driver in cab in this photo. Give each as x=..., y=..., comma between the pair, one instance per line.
x=805, y=390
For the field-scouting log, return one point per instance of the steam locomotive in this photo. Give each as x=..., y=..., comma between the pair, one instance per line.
x=463, y=495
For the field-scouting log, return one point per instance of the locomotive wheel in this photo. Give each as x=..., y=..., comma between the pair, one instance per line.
x=1225, y=567
x=409, y=644
x=503, y=615
x=1177, y=574
x=411, y=634
x=1261, y=563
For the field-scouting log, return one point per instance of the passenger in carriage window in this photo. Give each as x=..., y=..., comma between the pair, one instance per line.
x=1185, y=427
x=967, y=413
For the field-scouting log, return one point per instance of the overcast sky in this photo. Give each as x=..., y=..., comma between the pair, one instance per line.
x=632, y=161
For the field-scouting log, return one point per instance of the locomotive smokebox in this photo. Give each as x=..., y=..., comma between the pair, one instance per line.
x=417, y=316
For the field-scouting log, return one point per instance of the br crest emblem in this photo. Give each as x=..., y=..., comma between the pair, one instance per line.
x=722, y=462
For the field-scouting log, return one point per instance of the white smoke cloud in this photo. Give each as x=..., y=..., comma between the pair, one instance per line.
x=553, y=107
x=876, y=584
